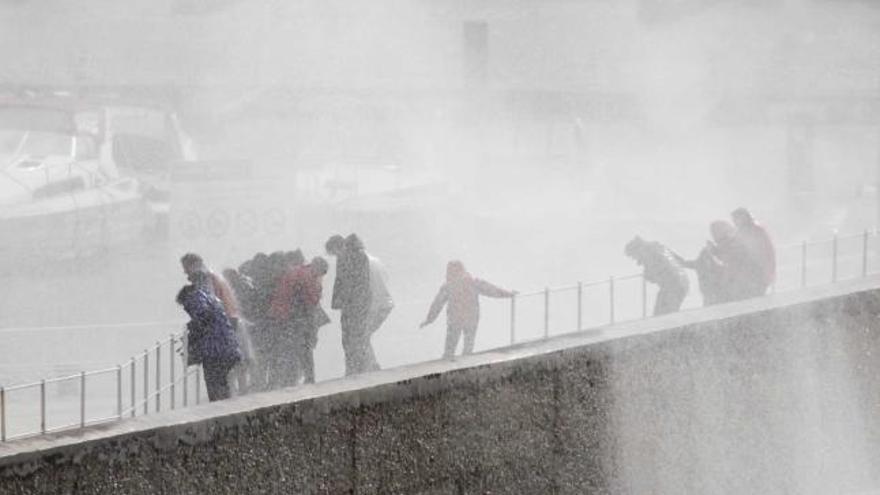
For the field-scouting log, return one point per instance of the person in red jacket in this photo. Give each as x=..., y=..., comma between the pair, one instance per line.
x=297, y=303
x=759, y=245
x=461, y=296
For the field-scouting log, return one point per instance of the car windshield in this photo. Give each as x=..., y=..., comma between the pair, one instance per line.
x=35, y=143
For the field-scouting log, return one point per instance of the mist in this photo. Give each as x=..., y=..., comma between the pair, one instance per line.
x=531, y=140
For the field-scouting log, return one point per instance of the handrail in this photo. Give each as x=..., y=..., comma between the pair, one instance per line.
x=147, y=382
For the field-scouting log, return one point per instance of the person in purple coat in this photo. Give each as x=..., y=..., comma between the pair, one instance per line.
x=211, y=339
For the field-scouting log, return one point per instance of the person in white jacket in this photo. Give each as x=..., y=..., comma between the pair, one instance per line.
x=381, y=302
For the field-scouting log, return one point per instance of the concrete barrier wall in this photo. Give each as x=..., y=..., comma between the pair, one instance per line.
x=777, y=395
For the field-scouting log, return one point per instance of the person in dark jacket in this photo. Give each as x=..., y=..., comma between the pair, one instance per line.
x=759, y=245
x=218, y=286
x=211, y=340
x=335, y=245
x=381, y=302
x=710, y=273
x=742, y=276
x=461, y=296
x=352, y=296
x=293, y=259
x=262, y=334
x=662, y=268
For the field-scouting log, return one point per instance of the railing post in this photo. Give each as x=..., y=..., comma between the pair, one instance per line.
x=82, y=399
x=865, y=253
x=644, y=297
x=803, y=264
x=171, y=369
x=546, y=312
x=513, y=319
x=43, y=406
x=185, y=382
x=133, y=387
x=158, y=376
x=119, y=391
x=834, y=258
x=580, y=306
x=198, y=385
x=146, y=381
x=611, y=299
x=2, y=414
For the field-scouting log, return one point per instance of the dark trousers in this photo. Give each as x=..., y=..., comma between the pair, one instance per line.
x=453, y=334
x=669, y=300
x=359, y=355
x=305, y=335
x=263, y=339
x=217, y=378
x=284, y=370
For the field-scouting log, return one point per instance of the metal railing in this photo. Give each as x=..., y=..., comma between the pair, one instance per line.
x=626, y=298
x=151, y=380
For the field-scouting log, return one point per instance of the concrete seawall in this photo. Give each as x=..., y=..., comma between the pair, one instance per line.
x=777, y=395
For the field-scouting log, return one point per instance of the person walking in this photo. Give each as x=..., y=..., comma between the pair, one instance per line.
x=263, y=334
x=352, y=297
x=299, y=294
x=210, y=339
x=742, y=275
x=662, y=268
x=381, y=302
x=709, y=272
x=218, y=286
x=276, y=339
x=285, y=370
x=759, y=245
x=461, y=297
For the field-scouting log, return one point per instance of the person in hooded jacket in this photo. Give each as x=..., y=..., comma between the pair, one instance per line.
x=759, y=245
x=742, y=276
x=198, y=273
x=661, y=267
x=461, y=296
x=352, y=297
x=218, y=286
x=710, y=273
x=210, y=339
